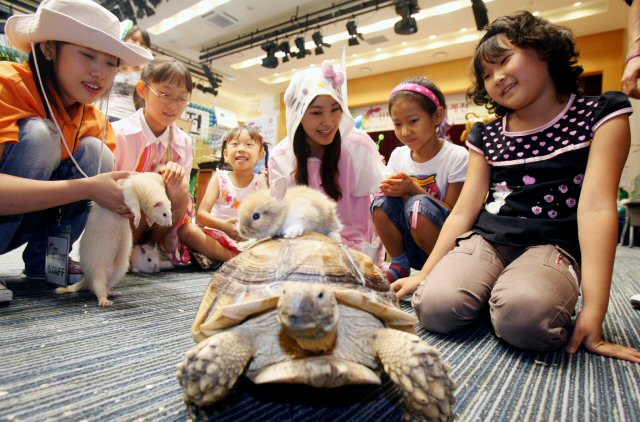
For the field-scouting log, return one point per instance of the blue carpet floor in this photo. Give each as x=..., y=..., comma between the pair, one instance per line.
x=66, y=359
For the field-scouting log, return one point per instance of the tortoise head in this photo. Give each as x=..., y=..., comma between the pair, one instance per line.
x=308, y=314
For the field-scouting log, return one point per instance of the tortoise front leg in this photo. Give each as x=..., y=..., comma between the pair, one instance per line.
x=419, y=372
x=212, y=367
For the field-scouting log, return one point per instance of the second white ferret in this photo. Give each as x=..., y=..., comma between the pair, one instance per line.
x=145, y=258
x=105, y=246
x=302, y=210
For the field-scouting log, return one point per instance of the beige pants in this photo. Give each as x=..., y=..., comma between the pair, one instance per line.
x=531, y=299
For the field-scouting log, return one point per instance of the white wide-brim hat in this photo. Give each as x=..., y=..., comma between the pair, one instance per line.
x=81, y=22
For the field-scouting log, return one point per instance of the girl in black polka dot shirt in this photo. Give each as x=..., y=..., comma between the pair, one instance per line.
x=536, y=222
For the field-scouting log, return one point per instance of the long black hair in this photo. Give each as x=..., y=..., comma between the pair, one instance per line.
x=329, y=167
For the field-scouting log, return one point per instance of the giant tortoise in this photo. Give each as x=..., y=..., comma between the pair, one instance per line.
x=312, y=311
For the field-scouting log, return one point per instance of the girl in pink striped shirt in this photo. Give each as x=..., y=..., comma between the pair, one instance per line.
x=149, y=140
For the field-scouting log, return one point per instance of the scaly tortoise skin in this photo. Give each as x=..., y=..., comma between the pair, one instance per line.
x=309, y=310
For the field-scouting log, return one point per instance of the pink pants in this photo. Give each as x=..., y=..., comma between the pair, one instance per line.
x=531, y=299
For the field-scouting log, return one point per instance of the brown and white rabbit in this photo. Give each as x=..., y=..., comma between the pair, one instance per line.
x=302, y=210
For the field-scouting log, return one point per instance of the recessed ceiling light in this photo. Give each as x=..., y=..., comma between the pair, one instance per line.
x=432, y=37
x=463, y=29
x=536, y=13
x=404, y=43
x=354, y=55
x=578, y=3
x=378, y=49
x=365, y=69
x=440, y=55
x=276, y=74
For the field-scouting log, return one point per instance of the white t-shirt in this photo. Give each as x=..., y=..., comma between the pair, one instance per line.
x=448, y=166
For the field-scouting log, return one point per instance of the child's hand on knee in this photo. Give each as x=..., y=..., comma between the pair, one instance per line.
x=406, y=286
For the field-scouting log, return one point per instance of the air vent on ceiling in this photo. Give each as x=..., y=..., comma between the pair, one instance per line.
x=376, y=40
x=221, y=20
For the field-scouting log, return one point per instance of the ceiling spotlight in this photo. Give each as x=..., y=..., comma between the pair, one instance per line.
x=286, y=49
x=302, y=51
x=143, y=9
x=480, y=14
x=214, y=80
x=407, y=25
x=353, y=33
x=122, y=9
x=271, y=61
x=317, y=39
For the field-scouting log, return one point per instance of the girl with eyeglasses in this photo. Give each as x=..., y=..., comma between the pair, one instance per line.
x=149, y=140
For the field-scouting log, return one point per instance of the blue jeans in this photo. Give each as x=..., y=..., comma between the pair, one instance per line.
x=399, y=212
x=37, y=157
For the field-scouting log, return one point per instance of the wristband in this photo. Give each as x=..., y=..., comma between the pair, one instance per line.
x=632, y=56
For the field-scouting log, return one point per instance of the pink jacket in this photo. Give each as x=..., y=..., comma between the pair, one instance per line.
x=133, y=136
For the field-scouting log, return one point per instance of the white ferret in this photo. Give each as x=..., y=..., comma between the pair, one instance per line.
x=302, y=210
x=145, y=258
x=105, y=246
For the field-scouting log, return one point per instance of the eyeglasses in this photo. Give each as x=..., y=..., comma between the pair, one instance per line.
x=168, y=99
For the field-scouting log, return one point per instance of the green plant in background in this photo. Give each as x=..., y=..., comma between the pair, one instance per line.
x=9, y=53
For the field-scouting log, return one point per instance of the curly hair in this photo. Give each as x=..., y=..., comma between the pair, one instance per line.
x=553, y=43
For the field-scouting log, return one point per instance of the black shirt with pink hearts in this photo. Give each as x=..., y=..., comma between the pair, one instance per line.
x=537, y=175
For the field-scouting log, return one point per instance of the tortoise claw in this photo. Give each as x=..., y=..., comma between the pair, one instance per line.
x=419, y=372
x=212, y=367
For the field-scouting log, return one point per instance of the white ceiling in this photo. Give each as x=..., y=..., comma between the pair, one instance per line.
x=245, y=91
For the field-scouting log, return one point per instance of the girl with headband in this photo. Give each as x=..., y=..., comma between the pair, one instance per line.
x=324, y=151
x=427, y=175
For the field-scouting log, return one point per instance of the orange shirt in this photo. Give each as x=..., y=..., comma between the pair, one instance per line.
x=19, y=99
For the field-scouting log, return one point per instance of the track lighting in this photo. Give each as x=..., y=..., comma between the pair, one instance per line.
x=317, y=39
x=302, y=50
x=407, y=25
x=271, y=61
x=143, y=9
x=480, y=14
x=353, y=33
x=214, y=80
x=134, y=9
x=286, y=50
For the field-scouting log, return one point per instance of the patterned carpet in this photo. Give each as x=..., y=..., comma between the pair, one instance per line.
x=65, y=359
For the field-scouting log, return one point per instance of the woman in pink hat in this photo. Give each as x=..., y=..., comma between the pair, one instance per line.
x=51, y=136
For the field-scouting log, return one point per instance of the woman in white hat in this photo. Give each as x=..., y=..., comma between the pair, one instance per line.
x=323, y=150
x=49, y=129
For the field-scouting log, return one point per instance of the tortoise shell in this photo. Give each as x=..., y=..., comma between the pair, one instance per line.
x=251, y=282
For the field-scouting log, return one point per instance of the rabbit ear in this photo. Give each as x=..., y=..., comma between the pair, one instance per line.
x=279, y=187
